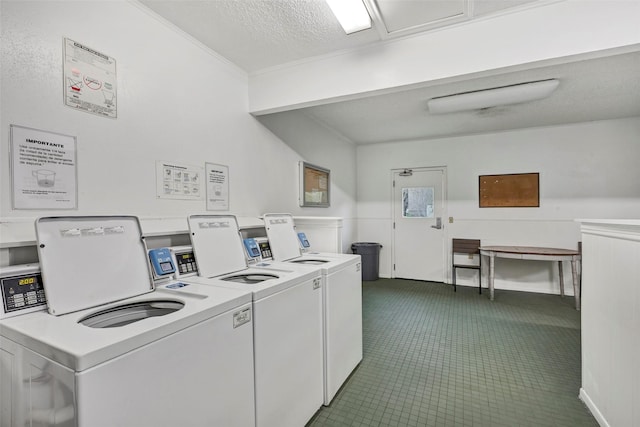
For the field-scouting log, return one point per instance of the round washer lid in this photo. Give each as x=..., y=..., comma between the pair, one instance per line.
x=90, y=261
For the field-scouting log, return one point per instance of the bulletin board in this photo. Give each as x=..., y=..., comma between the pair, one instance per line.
x=509, y=191
x=315, y=184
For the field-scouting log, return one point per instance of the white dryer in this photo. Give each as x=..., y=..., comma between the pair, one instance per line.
x=342, y=299
x=287, y=309
x=114, y=351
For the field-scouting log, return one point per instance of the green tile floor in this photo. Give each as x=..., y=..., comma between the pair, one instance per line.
x=433, y=357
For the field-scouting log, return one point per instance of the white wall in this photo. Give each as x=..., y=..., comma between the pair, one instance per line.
x=177, y=101
x=587, y=170
x=318, y=145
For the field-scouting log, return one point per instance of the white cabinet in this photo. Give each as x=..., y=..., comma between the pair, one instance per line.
x=611, y=321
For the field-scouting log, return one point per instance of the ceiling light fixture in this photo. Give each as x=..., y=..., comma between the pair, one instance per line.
x=352, y=14
x=505, y=95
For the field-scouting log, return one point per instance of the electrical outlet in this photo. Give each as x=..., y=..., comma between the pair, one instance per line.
x=450, y=220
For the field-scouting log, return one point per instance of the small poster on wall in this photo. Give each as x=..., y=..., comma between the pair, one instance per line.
x=43, y=169
x=178, y=181
x=89, y=80
x=217, y=187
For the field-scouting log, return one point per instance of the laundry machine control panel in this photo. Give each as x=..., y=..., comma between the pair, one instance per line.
x=257, y=249
x=304, y=242
x=22, y=290
x=185, y=261
x=161, y=262
x=265, y=248
x=251, y=246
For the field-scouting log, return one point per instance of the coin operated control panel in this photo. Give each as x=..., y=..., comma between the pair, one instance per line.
x=257, y=250
x=161, y=263
x=172, y=262
x=252, y=250
x=185, y=261
x=22, y=290
x=304, y=242
x=265, y=248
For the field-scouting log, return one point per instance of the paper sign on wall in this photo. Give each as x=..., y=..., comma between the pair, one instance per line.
x=178, y=181
x=89, y=80
x=217, y=187
x=43, y=169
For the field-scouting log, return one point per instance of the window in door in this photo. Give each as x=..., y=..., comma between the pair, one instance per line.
x=417, y=202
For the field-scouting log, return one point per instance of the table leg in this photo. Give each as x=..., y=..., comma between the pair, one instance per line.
x=492, y=264
x=576, y=282
x=561, y=278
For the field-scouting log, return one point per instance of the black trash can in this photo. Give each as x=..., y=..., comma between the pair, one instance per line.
x=370, y=254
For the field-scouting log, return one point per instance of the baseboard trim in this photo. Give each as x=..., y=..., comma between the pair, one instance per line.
x=593, y=408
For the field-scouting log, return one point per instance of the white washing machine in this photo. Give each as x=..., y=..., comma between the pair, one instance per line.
x=287, y=309
x=342, y=299
x=114, y=351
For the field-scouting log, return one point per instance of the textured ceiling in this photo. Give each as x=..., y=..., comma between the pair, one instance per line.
x=260, y=34
x=596, y=89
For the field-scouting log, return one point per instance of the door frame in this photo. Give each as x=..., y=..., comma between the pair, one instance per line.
x=445, y=216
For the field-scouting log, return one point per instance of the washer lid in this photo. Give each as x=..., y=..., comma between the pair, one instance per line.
x=282, y=236
x=90, y=261
x=217, y=244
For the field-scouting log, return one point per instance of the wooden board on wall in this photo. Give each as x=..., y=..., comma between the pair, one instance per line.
x=510, y=190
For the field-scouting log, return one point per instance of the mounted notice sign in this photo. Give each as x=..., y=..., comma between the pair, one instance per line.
x=179, y=181
x=89, y=80
x=217, y=177
x=43, y=169
x=511, y=190
x=314, y=186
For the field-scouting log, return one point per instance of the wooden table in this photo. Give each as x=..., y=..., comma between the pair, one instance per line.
x=539, y=254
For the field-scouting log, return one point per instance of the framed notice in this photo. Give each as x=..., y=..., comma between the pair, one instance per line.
x=315, y=184
x=43, y=169
x=509, y=191
x=217, y=177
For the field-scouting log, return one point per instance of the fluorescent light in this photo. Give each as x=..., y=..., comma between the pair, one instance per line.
x=352, y=14
x=506, y=95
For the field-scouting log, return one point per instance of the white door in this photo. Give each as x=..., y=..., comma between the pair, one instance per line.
x=418, y=226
